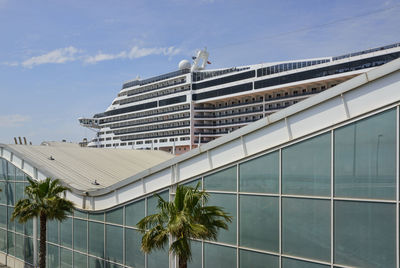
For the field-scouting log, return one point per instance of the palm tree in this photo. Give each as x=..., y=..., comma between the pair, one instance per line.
x=44, y=201
x=184, y=218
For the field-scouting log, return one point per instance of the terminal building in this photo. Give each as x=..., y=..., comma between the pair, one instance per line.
x=314, y=185
x=177, y=111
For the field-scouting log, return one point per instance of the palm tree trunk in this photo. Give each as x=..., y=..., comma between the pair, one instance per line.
x=42, y=250
x=182, y=263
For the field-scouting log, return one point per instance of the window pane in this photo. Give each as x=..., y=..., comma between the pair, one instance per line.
x=66, y=232
x=19, y=246
x=19, y=175
x=96, y=239
x=66, y=258
x=291, y=263
x=134, y=213
x=365, y=158
x=29, y=228
x=224, y=180
x=10, y=224
x=52, y=256
x=3, y=240
x=11, y=171
x=52, y=231
x=153, y=201
x=365, y=234
x=3, y=193
x=96, y=216
x=193, y=183
x=3, y=169
x=10, y=243
x=196, y=255
x=259, y=222
x=158, y=259
x=19, y=191
x=10, y=193
x=228, y=204
x=134, y=257
x=3, y=216
x=114, y=243
x=80, y=235
x=28, y=250
x=306, y=228
x=257, y=260
x=95, y=263
x=260, y=175
x=80, y=260
x=80, y=214
x=115, y=216
x=306, y=167
x=216, y=256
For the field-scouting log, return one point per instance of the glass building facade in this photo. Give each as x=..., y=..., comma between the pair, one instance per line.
x=329, y=200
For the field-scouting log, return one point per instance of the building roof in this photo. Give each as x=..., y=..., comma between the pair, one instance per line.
x=80, y=167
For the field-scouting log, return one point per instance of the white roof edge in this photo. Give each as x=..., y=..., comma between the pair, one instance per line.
x=346, y=86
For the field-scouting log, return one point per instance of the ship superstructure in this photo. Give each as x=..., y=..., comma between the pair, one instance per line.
x=180, y=110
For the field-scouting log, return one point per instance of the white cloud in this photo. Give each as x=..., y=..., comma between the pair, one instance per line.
x=60, y=55
x=13, y=120
x=134, y=53
x=10, y=63
x=67, y=54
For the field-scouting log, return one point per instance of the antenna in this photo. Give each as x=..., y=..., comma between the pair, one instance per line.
x=201, y=58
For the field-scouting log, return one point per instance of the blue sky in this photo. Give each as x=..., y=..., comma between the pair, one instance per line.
x=60, y=60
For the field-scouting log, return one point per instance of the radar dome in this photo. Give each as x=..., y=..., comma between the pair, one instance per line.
x=184, y=64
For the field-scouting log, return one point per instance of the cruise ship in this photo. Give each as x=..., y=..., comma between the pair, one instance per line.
x=181, y=110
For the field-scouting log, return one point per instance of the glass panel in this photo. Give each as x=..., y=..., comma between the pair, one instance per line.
x=291, y=263
x=114, y=243
x=19, y=175
x=216, y=256
x=259, y=222
x=80, y=214
x=133, y=255
x=95, y=263
x=153, y=201
x=96, y=239
x=224, y=180
x=3, y=240
x=3, y=216
x=10, y=193
x=96, y=216
x=306, y=167
x=10, y=244
x=80, y=260
x=66, y=232
x=158, y=259
x=3, y=193
x=365, y=158
x=228, y=204
x=66, y=258
x=257, y=260
x=29, y=228
x=11, y=171
x=11, y=224
x=80, y=235
x=196, y=261
x=365, y=234
x=19, y=246
x=134, y=213
x=19, y=191
x=3, y=169
x=52, y=256
x=193, y=183
x=115, y=216
x=52, y=231
x=306, y=228
x=28, y=250
x=260, y=175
